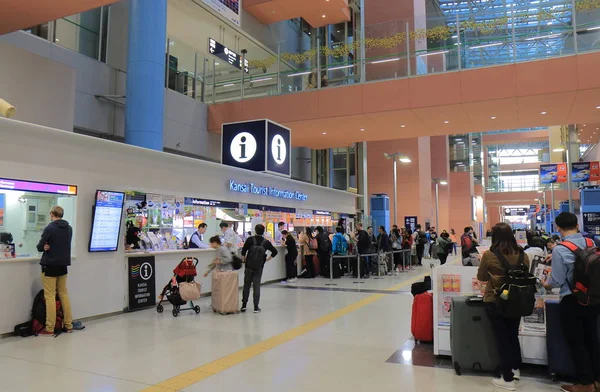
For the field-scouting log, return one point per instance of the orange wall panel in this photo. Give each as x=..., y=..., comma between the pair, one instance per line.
x=555, y=76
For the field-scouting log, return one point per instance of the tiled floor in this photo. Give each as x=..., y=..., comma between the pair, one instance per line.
x=350, y=352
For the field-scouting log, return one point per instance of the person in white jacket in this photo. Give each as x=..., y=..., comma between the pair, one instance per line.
x=230, y=237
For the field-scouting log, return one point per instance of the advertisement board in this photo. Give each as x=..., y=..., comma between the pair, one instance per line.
x=580, y=171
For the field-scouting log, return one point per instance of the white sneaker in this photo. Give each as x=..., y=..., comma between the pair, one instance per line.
x=517, y=374
x=507, y=386
x=293, y=280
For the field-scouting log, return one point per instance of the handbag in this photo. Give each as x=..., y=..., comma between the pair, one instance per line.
x=189, y=291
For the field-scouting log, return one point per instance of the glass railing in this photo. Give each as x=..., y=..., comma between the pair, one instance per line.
x=457, y=41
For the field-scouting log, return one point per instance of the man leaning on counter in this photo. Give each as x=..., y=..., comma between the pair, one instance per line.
x=197, y=239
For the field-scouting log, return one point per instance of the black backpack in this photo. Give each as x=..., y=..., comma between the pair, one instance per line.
x=586, y=271
x=236, y=261
x=38, y=318
x=519, y=299
x=255, y=259
x=421, y=238
x=324, y=243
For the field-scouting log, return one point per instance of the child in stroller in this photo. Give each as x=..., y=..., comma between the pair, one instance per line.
x=185, y=272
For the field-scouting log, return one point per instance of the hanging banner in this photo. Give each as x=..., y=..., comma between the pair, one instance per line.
x=230, y=9
x=549, y=173
x=594, y=171
x=580, y=171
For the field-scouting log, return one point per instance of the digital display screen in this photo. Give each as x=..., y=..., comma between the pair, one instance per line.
x=42, y=187
x=224, y=53
x=106, y=223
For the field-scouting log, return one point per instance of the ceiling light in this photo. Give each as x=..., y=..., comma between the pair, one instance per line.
x=543, y=36
x=585, y=125
x=493, y=117
x=433, y=53
x=322, y=16
x=544, y=113
x=324, y=133
x=340, y=67
x=362, y=129
x=299, y=74
x=229, y=85
x=486, y=45
x=402, y=126
x=446, y=122
x=404, y=159
x=216, y=63
x=559, y=149
x=385, y=61
x=261, y=80
x=597, y=107
x=593, y=28
x=56, y=40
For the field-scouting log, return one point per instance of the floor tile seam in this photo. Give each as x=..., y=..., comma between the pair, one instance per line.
x=183, y=380
x=74, y=369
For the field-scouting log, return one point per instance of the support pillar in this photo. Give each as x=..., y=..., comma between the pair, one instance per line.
x=144, y=111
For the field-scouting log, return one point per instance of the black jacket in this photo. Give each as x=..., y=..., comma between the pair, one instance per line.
x=58, y=235
x=383, y=242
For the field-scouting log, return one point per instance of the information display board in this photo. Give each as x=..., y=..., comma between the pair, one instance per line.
x=591, y=222
x=106, y=222
x=224, y=53
x=142, y=282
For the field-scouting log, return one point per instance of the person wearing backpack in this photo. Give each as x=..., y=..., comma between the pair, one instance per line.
x=55, y=242
x=504, y=252
x=340, y=245
x=420, y=241
x=324, y=251
x=254, y=254
x=579, y=300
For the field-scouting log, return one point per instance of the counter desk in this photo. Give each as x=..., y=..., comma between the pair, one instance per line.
x=146, y=267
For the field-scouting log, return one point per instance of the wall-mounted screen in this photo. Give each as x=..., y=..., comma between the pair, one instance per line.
x=106, y=221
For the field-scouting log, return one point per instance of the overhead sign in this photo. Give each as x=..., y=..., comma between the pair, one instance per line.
x=261, y=190
x=229, y=9
x=410, y=222
x=580, y=171
x=224, y=53
x=258, y=145
x=42, y=187
x=514, y=211
x=142, y=282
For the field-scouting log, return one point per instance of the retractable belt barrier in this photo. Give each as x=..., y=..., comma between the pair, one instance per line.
x=404, y=254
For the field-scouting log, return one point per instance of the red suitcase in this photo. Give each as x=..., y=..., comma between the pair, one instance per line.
x=422, y=317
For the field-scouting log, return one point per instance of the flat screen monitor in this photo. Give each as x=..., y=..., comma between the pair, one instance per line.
x=106, y=221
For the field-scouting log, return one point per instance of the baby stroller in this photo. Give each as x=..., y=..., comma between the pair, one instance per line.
x=184, y=272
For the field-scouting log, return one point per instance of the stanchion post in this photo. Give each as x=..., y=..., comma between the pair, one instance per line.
x=378, y=269
x=330, y=272
x=357, y=268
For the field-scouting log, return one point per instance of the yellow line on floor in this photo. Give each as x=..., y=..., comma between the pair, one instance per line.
x=198, y=374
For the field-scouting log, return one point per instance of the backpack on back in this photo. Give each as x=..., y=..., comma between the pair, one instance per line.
x=516, y=297
x=341, y=245
x=421, y=238
x=586, y=273
x=255, y=259
x=324, y=243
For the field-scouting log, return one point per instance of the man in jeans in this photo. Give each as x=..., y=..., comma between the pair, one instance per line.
x=56, y=245
x=252, y=276
x=579, y=323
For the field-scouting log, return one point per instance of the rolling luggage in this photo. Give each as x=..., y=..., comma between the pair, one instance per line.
x=472, y=340
x=225, y=292
x=422, y=317
x=559, y=357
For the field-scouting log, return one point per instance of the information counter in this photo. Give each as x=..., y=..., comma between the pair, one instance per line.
x=149, y=272
x=450, y=281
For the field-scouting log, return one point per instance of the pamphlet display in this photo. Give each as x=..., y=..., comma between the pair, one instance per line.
x=106, y=223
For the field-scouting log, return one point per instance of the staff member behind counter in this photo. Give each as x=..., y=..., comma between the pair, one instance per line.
x=197, y=239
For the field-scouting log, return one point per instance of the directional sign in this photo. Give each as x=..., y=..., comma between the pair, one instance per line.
x=224, y=53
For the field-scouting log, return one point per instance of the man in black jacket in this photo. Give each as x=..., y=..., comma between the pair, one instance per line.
x=56, y=245
x=254, y=254
x=363, y=243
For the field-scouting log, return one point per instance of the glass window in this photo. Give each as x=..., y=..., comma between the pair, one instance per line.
x=81, y=32
x=24, y=215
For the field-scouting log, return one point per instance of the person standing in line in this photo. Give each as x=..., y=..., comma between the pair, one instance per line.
x=304, y=240
x=291, y=255
x=454, y=241
x=279, y=237
x=254, y=254
x=420, y=241
x=433, y=241
x=197, y=239
x=443, y=247
x=56, y=245
x=506, y=330
x=579, y=323
x=323, y=251
x=363, y=244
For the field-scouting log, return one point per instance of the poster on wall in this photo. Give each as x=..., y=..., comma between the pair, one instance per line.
x=230, y=9
x=142, y=282
x=580, y=171
x=548, y=173
x=2, y=209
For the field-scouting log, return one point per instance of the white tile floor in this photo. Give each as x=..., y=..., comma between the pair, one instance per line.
x=132, y=351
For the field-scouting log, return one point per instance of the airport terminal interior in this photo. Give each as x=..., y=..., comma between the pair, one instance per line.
x=268, y=195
